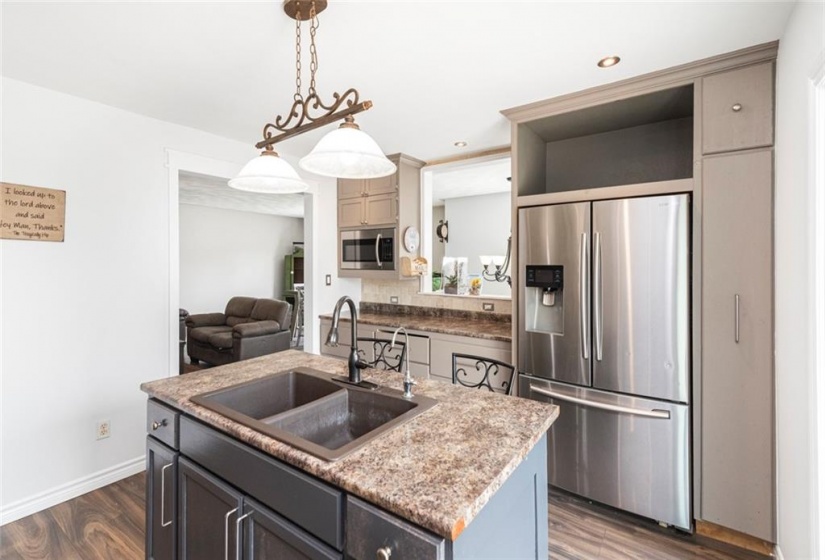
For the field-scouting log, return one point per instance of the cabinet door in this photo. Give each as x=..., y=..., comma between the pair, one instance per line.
x=268, y=535
x=737, y=343
x=443, y=346
x=737, y=109
x=161, y=501
x=351, y=188
x=381, y=209
x=351, y=212
x=208, y=512
x=381, y=185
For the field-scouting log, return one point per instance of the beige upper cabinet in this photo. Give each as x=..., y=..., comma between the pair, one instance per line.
x=351, y=188
x=737, y=109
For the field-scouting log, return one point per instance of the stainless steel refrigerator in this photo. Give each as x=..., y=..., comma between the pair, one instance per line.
x=604, y=332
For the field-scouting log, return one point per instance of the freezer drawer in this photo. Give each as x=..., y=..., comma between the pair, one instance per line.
x=626, y=452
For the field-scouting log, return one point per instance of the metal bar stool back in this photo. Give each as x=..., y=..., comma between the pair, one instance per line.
x=381, y=354
x=477, y=372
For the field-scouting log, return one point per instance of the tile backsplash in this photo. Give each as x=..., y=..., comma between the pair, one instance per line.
x=380, y=291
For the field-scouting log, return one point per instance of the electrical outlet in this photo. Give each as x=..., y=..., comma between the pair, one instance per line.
x=103, y=429
x=393, y=299
x=328, y=280
x=488, y=306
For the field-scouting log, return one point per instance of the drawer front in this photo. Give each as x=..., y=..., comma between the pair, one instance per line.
x=309, y=503
x=162, y=423
x=737, y=109
x=370, y=529
x=418, y=345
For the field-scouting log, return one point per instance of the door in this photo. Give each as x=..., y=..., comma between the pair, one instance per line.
x=208, y=514
x=351, y=188
x=381, y=209
x=381, y=185
x=623, y=451
x=268, y=535
x=351, y=212
x=554, y=340
x=737, y=344
x=641, y=279
x=161, y=501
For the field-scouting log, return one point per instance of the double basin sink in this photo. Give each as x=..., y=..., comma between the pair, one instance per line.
x=306, y=409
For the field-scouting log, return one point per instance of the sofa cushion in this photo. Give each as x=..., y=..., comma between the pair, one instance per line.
x=202, y=334
x=232, y=321
x=240, y=306
x=270, y=310
x=221, y=340
x=257, y=328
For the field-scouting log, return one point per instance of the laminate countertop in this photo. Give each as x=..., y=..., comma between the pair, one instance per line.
x=438, y=470
x=489, y=329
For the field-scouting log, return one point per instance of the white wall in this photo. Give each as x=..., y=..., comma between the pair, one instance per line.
x=84, y=322
x=226, y=253
x=321, y=217
x=479, y=225
x=800, y=49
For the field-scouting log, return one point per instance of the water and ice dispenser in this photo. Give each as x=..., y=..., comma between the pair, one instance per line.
x=544, y=305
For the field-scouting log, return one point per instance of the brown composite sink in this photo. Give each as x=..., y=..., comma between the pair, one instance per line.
x=306, y=409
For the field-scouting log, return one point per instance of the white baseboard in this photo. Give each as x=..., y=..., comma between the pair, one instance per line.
x=60, y=494
x=778, y=553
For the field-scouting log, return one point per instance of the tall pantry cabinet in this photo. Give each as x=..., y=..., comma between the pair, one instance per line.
x=737, y=301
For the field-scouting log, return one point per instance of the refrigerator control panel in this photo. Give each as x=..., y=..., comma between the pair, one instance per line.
x=548, y=277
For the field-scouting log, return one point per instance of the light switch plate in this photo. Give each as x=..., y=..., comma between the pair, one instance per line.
x=393, y=299
x=328, y=280
x=488, y=306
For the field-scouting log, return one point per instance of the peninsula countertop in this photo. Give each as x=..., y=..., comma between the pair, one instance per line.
x=489, y=329
x=438, y=470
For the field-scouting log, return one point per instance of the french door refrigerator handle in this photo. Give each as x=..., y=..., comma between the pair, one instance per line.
x=377, y=251
x=662, y=414
x=597, y=294
x=584, y=295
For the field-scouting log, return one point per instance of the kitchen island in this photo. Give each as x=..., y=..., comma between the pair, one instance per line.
x=467, y=476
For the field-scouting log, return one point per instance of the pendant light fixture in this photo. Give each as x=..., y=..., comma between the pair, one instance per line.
x=346, y=152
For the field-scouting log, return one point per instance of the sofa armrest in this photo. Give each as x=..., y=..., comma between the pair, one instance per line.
x=258, y=328
x=205, y=320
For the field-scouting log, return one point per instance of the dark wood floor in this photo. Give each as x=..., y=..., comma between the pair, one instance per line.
x=109, y=523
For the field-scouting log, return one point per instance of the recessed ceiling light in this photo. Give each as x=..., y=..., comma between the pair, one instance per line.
x=608, y=61
x=460, y=144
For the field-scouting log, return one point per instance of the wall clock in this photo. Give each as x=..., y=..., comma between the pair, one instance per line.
x=411, y=239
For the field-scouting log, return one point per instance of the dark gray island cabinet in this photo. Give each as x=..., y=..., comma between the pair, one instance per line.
x=209, y=495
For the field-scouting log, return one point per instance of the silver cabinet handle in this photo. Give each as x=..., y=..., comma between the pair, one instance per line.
x=238, y=533
x=597, y=293
x=377, y=251
x=736, y=107
x=584, y=297
x=226, y=533
x=736, y=318
x=655, y=413
x=156, y=424
x=383, y=553
x=163, y=522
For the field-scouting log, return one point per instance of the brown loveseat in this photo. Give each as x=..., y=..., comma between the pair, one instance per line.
x=248, y=328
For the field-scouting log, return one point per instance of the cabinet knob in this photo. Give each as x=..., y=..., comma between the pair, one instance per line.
x=736, y=107
x=383, y=553
x=156, y=424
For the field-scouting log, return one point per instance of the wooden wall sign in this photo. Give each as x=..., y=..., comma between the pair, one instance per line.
x=32, y=213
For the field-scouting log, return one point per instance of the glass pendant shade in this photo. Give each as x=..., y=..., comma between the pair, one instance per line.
x=347, y=153
x=268, y=173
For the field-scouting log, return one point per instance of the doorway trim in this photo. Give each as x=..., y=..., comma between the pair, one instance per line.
x=817, y=258
x=177, y=161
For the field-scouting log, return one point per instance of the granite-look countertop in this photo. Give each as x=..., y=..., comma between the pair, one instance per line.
x=438, y=470
x=488, y=329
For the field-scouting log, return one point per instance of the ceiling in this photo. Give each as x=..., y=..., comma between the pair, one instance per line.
x=204, y=190
x=437, y=72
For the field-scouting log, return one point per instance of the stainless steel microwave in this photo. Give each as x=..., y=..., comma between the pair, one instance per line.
x=368, y=249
